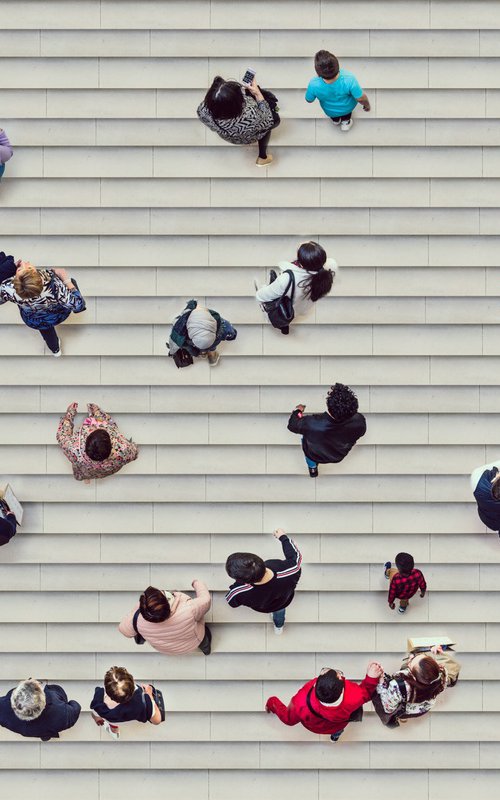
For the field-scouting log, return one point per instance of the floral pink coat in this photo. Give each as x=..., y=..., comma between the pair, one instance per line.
x=73, y=444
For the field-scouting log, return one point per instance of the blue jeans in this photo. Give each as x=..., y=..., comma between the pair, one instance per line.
x=310, y=463
x=279, y=618
x=226, y=334
x=2, y=170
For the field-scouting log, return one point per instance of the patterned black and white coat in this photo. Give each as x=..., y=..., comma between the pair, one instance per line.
x=252, y=124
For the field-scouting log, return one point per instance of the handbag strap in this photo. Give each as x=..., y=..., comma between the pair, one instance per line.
x=313, y=710
x=291, y=282
x=134, y=622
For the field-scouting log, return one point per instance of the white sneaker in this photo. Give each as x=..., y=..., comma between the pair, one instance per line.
x=336, y=121
x=278, y=631
x=346, y=124
x=58, y=354
x=113, y=730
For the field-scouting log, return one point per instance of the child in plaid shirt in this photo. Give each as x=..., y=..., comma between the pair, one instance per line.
x=405, y=581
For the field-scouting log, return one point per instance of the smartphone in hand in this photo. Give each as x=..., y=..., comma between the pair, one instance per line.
x=248, y=76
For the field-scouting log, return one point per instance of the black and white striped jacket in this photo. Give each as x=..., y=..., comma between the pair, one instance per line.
x=252, y=124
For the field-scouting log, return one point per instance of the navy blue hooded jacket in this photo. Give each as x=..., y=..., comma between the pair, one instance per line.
x=487, y=507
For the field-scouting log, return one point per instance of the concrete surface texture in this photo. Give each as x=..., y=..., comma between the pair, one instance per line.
x=114, y=178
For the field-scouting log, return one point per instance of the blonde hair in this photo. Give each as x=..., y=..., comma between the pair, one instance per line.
x=119, y=684
x=28, y=283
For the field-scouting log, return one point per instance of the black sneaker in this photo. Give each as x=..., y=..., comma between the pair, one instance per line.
x=313, y=472
x=286, y=330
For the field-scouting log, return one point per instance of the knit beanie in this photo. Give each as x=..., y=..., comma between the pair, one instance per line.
x=201, y=328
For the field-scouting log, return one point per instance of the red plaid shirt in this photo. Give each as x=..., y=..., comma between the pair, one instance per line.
x=405, y=586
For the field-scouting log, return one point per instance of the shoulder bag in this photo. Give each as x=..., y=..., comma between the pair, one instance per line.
x=138, y=639
x=182, y=358
x=280, y=311
x=390, y=720
x=158, y=698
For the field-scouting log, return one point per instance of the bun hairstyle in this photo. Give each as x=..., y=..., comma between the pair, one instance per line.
x=153, y=605
x=427, y=679
x=224, y=99
x=341, y=402
x=245, y=567
x=119, y=684
x=312, y=257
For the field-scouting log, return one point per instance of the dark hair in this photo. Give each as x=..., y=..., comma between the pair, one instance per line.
x=224, y=99
x=119, y=684
x=245, y=567
x=404, y=563
x=329, y=687
x=326, y=64
x=311, y=257
x=98, y=445
x=427, y=679
x=341, y=402
x=154, y=605
x=495, y=490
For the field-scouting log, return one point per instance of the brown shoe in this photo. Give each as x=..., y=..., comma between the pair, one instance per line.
x=213, y=358
x=263, y=162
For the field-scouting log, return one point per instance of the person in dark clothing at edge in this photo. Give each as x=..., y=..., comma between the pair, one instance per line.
x=8, y=523
x=265, y=586
x=485, y=484
x=31, y=710
x=328, y=437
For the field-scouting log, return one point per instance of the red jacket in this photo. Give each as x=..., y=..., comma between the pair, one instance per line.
x=337, y=717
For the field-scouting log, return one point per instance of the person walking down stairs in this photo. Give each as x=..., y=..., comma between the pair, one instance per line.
x=171, y=622
x=327, y=438
x=6, y=151
x=328, y=703
x=303, y=282
x=241, y=114
x=485, y=484
x=405, y=581
x=413, y=690
x=197, y=332
x=45, y=298
x=337, y=90
x=122, y=700
x=266, y=586
x=34, y=711
x=97, y=449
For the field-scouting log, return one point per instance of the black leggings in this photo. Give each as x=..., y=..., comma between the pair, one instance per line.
x=265, y=139
x=51, y=339
x=343, y=118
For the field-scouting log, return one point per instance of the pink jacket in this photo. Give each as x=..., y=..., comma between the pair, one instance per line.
x=183, y=631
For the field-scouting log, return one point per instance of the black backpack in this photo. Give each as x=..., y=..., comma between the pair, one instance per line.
x=280, y=311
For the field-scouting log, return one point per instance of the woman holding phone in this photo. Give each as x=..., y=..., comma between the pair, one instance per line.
x=240, y=113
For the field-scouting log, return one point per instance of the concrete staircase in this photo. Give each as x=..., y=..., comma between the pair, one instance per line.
x=114, y=177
